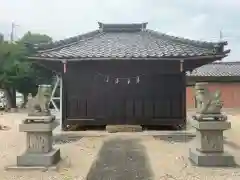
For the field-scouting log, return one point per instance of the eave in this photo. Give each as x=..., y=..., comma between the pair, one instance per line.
x=64, y=59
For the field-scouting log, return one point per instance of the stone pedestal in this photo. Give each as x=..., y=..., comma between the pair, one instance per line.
x=209, y=144
x=39, y=150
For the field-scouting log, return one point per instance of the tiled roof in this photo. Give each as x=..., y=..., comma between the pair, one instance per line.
x=217, y=69
x=128, y=41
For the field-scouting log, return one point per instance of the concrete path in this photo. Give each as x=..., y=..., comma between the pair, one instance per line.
x=121, y=158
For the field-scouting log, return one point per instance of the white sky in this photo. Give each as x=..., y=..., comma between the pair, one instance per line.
x=195, y=19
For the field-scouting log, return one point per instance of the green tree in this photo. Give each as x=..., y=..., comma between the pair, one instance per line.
x=19, y=73
x=35, y=38
x=36, y=74
x=13, y=68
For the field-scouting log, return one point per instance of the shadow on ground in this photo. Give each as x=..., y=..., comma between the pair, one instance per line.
x=231, y=144
x=121, y=159
x=65, y=139
x=176, y=138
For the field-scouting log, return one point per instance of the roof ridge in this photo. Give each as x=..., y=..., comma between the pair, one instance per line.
x=66, y=42
x=124, y=27
x=203, y=44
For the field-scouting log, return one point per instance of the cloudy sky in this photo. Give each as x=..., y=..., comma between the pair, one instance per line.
x=201, y=19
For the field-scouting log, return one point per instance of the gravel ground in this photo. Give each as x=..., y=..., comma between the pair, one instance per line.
x=77, y=154
x=116, y=157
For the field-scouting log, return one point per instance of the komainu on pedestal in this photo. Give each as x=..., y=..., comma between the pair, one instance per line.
x=209, y=122
x=209, y=104
x=39, y=105
x=38, y=127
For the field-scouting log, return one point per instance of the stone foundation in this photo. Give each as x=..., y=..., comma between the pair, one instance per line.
x=209, y=145
x=211, y=159
x=39, y=159
x=39, y=150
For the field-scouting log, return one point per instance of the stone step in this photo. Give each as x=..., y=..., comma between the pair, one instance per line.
x=123, y=128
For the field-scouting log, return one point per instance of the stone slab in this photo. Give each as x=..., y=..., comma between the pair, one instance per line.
x=39, y=159
x=31, y=168
x=48, y=113
x=210, y=117
x=90, y=133
x=13, y=110
x=211, y=159
x=38, y=127
x=123, y=128
x=211, y=125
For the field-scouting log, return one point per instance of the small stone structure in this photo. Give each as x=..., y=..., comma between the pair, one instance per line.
x=210, y=124
x=39, y=126
x=123, y=128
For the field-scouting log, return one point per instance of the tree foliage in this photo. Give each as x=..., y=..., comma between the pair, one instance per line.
x=34, y=38
x=13, y=66
x=16, y=71
x=36, y=74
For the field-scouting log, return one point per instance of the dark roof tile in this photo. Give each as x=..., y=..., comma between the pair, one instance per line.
x=217, y=69
x=127, y=41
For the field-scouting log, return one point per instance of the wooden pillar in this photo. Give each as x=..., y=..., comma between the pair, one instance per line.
x=184, y=85
x=63, y=93
x=61, y=106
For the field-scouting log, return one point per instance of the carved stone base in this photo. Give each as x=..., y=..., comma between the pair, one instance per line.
x=209, y=141
x=39, y=142
x=209, y=135
x=211, y=159
x=39, y=151
x=209, y=145
x=39, y=159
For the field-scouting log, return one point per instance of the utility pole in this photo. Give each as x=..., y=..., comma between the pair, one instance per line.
x=13, y=90
x=1, y=38
x=221, y=35
x=12, y=32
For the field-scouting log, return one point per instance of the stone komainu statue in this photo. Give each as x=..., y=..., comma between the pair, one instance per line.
x=39, y=105
x=207, y=102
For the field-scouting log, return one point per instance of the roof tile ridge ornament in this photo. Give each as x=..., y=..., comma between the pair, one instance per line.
x=100, y=26
x=203, y=44
x=67, y=42
x=128, y=27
